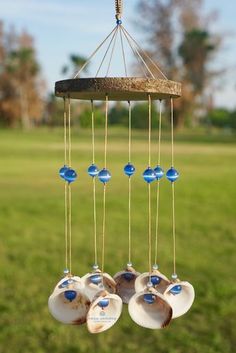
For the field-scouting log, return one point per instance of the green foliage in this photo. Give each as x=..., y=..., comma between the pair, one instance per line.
x=222, y=118
x=32, y=241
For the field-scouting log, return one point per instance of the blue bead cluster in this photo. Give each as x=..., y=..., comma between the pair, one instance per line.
x=68, y=174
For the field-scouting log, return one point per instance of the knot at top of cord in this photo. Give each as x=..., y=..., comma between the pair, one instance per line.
x=119, y=11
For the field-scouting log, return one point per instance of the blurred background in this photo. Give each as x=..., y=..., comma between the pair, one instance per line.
x=42, y=42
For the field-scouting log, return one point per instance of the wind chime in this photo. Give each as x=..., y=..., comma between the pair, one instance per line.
x=96, y=298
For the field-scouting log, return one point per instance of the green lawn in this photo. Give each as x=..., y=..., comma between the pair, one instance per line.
x=31, y=251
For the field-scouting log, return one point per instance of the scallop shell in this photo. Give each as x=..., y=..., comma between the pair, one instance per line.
x=69, y=311
x=91, y=289
x=125, y=281
x=101, y=318
x=143, y=279
x=155, y=315
x=181, y=302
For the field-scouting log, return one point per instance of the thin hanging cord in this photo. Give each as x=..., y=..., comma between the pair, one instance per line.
x=173, y=187
x=158, y=182
x=104, y=188
x=94, y=189
x=94, y=53
x=149, y=186
x=69, y=132
x=112, y=51
x=123, y=52
x=69, y=186
x=106, y=52
x=149, y=129
x=66, y=187
x=65, y=133
x=130, y=239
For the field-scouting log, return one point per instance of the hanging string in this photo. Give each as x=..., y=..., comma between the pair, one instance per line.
x=112, y=52
x=123, y=52
x=149, y=186
x=158, y=182
x=69, y=186
x=173, y=186
x=66, y=187
x=94, y=189
x=106, y=52
x=130, y=127
x=104, y=187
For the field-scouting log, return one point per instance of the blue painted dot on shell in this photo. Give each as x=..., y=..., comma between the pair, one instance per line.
x=62, y=171
x=159, y=172
x=176, y=289
x=149, y=175
x=70, y=175
x=96, y=279
x=155, y=280
x=149, y=298
x=104, y=175
x=93, y=170
x=172, y=174
x=128, y=276
x=129, y=169
x=70, y=295
x=103, y=303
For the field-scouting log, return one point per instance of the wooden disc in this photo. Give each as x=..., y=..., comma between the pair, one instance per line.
x=118, y=88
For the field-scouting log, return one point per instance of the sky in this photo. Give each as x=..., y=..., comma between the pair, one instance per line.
x=78, y=26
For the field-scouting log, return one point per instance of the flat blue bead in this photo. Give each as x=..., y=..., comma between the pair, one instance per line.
x=70, y=175
x=176, y=289
x=155, y=280
x=149, y=298
x=93, y=170
x=128, y=276
x=70, y=295
x=159, y=172
x=172, y=174
x=149, y=175
x=104, y=176
x=96, y=279
x=62, y=171
x=103, y=303
x=129, y=169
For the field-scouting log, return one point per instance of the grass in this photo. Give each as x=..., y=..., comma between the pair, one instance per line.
x=31, y=251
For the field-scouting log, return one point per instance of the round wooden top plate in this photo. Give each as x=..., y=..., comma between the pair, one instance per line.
x=118, y=89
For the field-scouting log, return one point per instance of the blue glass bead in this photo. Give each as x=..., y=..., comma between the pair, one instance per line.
x=129, y=169
x=70, y=175
x=176, y=289
x=149, y=298
x=65, y=283
x=93, y=170
x=62, y=171
x=159, y=172
x=70, y=295
x=96, y=279
x=155, y=280
x=172, y=174
x=128, y=276
x=149, y=175
x=104, y=175
x=118, y=22
x=103, y=303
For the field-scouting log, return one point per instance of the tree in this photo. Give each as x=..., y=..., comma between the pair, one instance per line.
x=75, y=62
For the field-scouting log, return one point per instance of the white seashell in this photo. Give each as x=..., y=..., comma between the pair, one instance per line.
x=142, y=281
x=182, y=301
x=73, y=310
x=104, y=312
x=125, y=281
x=91, y=289
x=153, y=313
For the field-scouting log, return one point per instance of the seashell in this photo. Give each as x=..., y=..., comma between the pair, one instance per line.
x=125, y=281
x=104, y=311
x=68, y=304
x=150, y=309
x=159, y=281
x=180, y=295
x=96, y=281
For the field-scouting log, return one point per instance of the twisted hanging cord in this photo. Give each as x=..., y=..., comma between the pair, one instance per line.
x=130, y=126
x=149, y=186
x=119, y=8
x=173, y=187
x=158, y=183
x=104, y=188
x=94, y=189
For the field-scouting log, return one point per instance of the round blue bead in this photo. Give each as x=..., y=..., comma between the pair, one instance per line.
x=149, y=298
x=155, y=280
x=70, y=295
x=129, y=169
x=96, y=279
x=104, y=176
x=176, y=289
x=159, y=172
x=103, y=303
x=93, y=170
x=149, y=175
x=70, y=175
x=128, y=276
x=62, y=171
x=118, y=22
x=172, y=174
